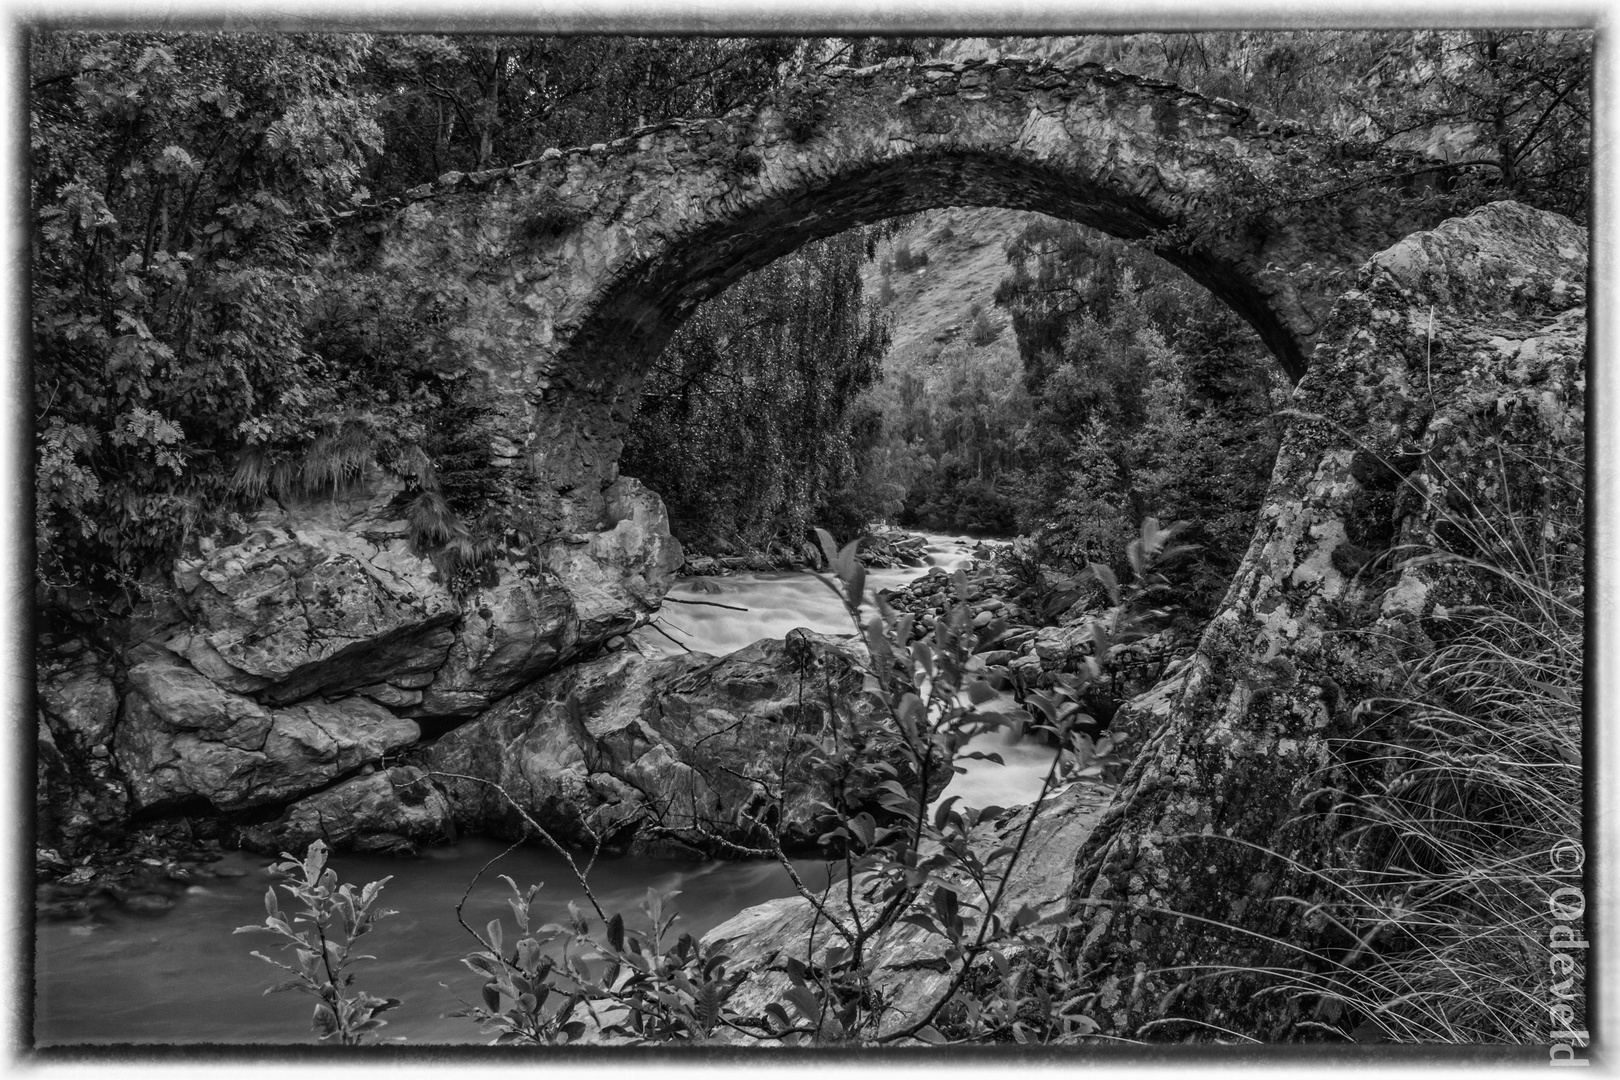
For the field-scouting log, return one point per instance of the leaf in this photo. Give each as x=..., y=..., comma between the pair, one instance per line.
x=928, y=1033
x=492, y=996
x=528, y=955
x=615, y=931
x=864, y=827
x=314, y=860
x=802, y=999
x=325, y=1021
x=493, y=935
x=828, y=548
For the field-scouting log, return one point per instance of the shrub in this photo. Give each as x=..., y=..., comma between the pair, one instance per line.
x=337, y=917
x=981, y=331
x=905, y=260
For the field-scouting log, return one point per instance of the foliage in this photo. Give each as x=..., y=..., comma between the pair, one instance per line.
x=1495, y=114
x=337, y=917
x=912, y=867
x=171, y=174
x=905, y=260
x=652, y=992
x=947, y=427
x=766, y=374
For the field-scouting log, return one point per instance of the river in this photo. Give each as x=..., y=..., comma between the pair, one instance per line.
x=183, y=977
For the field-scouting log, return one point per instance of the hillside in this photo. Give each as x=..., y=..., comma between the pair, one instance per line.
x=933, y=303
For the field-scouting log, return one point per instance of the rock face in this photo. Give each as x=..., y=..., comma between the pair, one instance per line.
x=311, y=647
x=1481, y=321
x=183, y=738
x=574, y=268
x=912, y=971
x=689, y=748
x=79, y=794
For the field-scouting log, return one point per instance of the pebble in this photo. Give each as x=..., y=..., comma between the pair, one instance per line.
x=148, y=903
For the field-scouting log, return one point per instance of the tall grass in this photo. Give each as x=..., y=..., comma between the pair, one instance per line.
x=1448, y=862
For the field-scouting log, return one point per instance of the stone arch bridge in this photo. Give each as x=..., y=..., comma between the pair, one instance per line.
x=572, y=271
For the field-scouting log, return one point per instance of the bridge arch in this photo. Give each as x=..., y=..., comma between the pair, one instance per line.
x=584, y=262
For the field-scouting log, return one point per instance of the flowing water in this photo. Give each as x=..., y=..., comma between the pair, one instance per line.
x=183, y=977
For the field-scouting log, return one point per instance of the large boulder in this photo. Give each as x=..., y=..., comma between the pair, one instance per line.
x=687, y=748
x=911, y=968
x=324, y=596
x=388, y=810
x=1209, y=859
x=316, y=597
x=623, y=569
x=183, y=738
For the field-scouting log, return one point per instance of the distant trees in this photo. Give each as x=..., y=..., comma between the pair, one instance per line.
x=748, y=424
x=1133, y=393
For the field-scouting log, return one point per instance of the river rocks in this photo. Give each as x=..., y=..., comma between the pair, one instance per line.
x=689, y=748
x=390, y=810
x=884, y=548
x=912, y=969
x=184, y=738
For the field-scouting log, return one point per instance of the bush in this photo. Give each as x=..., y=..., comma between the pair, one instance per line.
x=905, y=261
x=981, y=331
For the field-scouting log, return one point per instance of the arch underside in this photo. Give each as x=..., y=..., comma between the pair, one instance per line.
x=643, y=307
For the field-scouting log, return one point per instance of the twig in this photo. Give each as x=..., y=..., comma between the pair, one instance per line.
x=978, y=947
x=550, y=840
x=463, y=901
x=704, y=603
x=659, y=629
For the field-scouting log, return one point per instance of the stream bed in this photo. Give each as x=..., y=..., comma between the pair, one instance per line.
x=183, y=976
